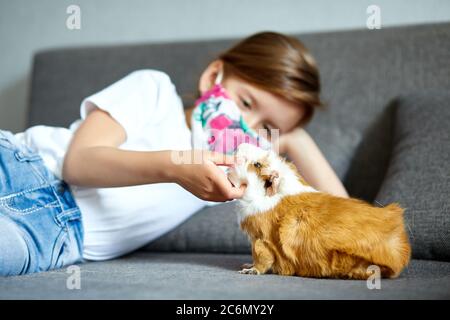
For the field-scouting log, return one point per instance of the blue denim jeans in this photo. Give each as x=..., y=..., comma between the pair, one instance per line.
x=40, y=223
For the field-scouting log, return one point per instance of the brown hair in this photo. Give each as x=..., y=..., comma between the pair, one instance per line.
x=279, y=64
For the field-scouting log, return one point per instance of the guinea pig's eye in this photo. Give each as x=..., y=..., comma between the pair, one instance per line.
x=257, y=165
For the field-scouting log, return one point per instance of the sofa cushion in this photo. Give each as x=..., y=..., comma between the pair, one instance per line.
x=212, y=229
x=418, y=176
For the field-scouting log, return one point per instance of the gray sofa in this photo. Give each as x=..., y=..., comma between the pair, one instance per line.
x=385, y=130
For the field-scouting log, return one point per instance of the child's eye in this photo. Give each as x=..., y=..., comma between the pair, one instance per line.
x=246, y=104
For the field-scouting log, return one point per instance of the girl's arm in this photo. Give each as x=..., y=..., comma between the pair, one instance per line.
x=93, y=159
x=311, y=163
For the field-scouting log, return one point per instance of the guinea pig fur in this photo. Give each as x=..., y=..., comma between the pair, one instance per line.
x=297, y=230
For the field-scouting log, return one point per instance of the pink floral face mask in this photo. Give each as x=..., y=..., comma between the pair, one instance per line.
x=217, y=123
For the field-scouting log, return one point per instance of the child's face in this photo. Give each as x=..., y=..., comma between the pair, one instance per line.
x=262, y=109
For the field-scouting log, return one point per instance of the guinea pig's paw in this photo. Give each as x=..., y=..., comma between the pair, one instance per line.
x=251, y=270
x=247, y=266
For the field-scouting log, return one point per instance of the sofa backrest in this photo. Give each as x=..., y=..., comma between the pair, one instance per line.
x=362, y=71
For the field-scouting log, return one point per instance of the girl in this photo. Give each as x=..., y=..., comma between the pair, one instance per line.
x=109, y=184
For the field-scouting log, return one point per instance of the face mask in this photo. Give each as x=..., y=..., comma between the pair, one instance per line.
x=217, y=123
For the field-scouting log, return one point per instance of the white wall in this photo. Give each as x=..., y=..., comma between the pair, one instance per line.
x=28, y=26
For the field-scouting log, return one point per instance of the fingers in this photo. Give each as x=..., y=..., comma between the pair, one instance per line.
x=237, y=193
x=223, y=159
x=227, y=189
x=223, y=184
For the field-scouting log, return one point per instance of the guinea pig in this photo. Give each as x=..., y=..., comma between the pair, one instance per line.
x=295, y=229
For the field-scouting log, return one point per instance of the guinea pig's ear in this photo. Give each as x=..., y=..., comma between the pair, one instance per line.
x=272, y=183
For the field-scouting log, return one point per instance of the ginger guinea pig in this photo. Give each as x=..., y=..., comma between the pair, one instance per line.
x=297, y=230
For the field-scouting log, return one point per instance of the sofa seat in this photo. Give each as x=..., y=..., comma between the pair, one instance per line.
x=153, y=275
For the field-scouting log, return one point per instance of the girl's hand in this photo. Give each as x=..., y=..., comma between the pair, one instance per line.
x=199, y=174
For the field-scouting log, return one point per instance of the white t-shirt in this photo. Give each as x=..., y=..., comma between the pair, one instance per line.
x=121, y=219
